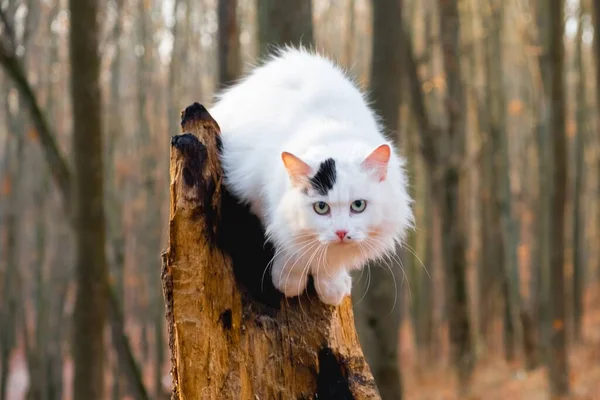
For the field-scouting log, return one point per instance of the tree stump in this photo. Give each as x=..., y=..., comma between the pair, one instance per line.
x=232, y=335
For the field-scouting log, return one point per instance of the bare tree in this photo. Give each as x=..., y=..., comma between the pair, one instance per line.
x=229, y=43
x=596, y=20
x=114, y=201
x=507, y=234
x=279, y=25
x=453, y=226
x=378, y=331
x=11, y=286
x=91, y=302
x=579, y=179
x=557, y=357
x=541, y=255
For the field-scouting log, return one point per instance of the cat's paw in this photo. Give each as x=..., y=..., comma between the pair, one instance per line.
x=290, y=283
x=332, y=290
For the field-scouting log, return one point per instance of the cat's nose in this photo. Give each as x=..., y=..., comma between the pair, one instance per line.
x=341, y=234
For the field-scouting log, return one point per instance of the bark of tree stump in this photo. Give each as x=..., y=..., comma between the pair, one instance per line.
x=232, y=335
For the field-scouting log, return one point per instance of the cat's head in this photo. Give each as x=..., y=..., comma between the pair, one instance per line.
x=356, y=204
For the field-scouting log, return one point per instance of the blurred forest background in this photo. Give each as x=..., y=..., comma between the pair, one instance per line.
x=495, y=103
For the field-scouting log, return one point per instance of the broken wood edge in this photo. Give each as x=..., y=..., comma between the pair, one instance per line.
x=327, y=333
x=167, y=289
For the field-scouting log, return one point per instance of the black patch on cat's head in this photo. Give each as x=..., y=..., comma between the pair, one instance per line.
x=325, y=177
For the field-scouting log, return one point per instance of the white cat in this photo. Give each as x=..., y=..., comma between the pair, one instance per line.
x=302, y=147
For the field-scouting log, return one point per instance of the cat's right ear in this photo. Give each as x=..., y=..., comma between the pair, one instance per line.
x=378, y=161
x=297, y=169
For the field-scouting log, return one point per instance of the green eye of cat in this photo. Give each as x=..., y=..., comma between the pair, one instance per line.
x=321, y=208
x=358, y=206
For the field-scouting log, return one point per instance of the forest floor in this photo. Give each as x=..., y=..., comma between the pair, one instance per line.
x=495, y=379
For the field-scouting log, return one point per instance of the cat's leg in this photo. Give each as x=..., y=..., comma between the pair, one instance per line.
x=333, y=288
x=289, y=275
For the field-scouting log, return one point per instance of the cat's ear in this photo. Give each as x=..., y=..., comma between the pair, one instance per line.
x=297, y=169
x=378, y=160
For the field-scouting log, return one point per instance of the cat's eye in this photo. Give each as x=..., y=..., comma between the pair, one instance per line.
x=321, y=208
x=358, y=206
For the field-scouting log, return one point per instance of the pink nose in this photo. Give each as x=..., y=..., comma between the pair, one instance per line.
x=341, y=234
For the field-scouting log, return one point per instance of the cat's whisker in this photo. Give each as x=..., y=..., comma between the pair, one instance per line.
x=310, y=260
x=325, y=263
x=295, y=262
x=361, y=274
x=308, y=266
x=362, y=270
x=414, y=253
x=272, y=259
x=279, y=251
x=269, y=237
x=389, y=267
x=368, y=279
x=317, y=282
x=312, y=245
x=324, y=248
x=299, y=283
x=394, y=256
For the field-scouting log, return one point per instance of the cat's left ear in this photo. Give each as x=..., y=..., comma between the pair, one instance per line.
x=297, y=169
x=378, y=160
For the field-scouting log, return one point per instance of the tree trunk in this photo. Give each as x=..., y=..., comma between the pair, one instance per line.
x=278, y=25
x=378, y=331
x=150, y=226
x=558, y=367
x=349, y=40
x=38, y=387
x=453, y=225
x=507, y=229
x=579, y=159
x=91, y=301
x=114, y=194
x=229, y=336
x=9, y=309
x=541, y=259
x=596, y=22
x=61, y=274
x=488, y=262
x=230, y=65
x=427, y=146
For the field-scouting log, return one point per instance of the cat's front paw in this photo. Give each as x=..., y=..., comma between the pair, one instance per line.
x=289, y=282
x=332, y=290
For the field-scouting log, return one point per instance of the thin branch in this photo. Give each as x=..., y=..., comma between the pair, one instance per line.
x=56, y=160
x=123, y=347
x=15, y=71
x=427, y=132
x=7, y=35
x=28, y=23
x=10, y=33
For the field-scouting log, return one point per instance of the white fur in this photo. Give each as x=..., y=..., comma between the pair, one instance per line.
x=302, y=103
